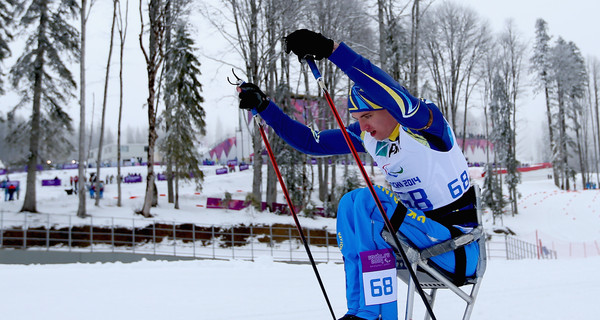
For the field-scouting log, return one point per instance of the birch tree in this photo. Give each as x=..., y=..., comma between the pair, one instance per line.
x=122, y=24
x=153, y=54
x=104, y=101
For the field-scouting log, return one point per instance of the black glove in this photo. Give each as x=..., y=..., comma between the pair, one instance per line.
x=305, y=42
x=251, y=97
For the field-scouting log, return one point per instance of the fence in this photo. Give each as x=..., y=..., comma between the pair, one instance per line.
x=512, y=248
x=144, y=236
x=98, y=234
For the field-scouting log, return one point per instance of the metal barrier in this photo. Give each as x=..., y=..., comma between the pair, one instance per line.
x=144, y=236
x=179, y=239
x=510, y=248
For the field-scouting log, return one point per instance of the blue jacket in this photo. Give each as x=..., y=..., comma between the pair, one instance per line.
x=410, y=112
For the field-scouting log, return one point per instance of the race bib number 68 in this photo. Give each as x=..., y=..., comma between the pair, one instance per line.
x=379, y=276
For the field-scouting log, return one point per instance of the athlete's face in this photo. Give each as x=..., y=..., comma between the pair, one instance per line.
x=378, y=123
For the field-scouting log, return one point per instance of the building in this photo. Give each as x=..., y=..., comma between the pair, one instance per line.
x=131, y=154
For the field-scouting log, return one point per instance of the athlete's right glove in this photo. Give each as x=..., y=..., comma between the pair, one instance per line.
x=305, y=42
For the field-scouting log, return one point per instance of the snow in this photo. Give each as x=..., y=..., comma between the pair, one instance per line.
x=264, y=289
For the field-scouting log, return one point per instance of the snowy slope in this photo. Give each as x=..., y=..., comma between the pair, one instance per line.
x=524, y=289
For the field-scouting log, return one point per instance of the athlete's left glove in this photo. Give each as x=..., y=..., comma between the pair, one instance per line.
x=251, y=97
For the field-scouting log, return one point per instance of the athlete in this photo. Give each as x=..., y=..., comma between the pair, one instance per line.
x=431, y=199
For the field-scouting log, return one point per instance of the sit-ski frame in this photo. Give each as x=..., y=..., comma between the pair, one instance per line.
x=432, y=279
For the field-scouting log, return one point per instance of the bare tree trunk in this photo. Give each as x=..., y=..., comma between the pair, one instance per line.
x=414, y=49
x=176, y=195
x=168, y=106
x=271, y=195
x=551, y=134
x=595, y=71
x=101, y=138
x=81, y=211
x=122, y=37
x=382, y=32
x=153, y=62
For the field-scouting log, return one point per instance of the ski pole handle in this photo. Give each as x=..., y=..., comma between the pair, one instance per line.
x=315, y=71
x=313, y=67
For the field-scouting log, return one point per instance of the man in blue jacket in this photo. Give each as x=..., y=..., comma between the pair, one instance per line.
x=431, y=199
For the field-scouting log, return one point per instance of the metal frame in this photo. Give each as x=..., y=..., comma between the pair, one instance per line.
x=432, y=279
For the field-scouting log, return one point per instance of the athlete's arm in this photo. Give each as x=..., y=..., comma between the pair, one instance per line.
x=417, y=114
x=307, y=140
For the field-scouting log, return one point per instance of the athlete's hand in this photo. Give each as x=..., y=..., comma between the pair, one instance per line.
x=305, y=42
x=251, y=97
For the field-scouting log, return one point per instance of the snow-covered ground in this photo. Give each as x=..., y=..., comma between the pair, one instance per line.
x=522, y=289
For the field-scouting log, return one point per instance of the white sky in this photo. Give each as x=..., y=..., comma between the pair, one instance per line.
x=573, y=20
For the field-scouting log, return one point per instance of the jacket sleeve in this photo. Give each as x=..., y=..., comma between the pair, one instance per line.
x=308, y=140
x=409, y=111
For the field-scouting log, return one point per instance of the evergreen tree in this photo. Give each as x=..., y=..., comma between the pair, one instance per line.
x=541, y=65
x=569, y=76
x=185, y=117
x=501, y=137
x=42, y=76
x=5, y=35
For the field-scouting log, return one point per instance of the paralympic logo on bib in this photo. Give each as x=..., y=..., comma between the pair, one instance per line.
x=375, y=260
x=393, y=174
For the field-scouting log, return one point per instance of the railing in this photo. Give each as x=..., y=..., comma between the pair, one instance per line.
x=143, y=236
x=510, y=248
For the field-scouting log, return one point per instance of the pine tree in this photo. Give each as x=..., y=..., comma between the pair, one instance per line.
x=6, y=18
x=42, y=76
x=541, y=65
x=185, y=117
x=501, y=137
x=569, y=76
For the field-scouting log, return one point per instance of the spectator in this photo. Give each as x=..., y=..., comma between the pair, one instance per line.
x=11, y=191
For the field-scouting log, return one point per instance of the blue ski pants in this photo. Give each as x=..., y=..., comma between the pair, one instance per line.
x=359, y=226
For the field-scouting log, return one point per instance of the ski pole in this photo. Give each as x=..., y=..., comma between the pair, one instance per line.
x=317, y=74
x=293, y=211
x=263, y=135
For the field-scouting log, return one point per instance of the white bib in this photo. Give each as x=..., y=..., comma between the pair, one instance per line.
x=423, y=178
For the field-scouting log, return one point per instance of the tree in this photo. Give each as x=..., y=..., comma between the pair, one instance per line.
x=6, y=18
x=501, y=137
x=153, y=56
x=512, y=50
x=594, y=71
x=122, y=27
x=569, y=77
x=186, y=116
x=42, y=75
x=104, y=100
x=541, y=65
x=451, y=33
x=84, y=12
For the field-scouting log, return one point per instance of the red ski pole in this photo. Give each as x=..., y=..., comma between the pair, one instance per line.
x=388, y=224
x=293, y=211
x=289, y=202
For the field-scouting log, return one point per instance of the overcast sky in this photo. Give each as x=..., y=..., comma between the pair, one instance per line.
x=574, y=20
